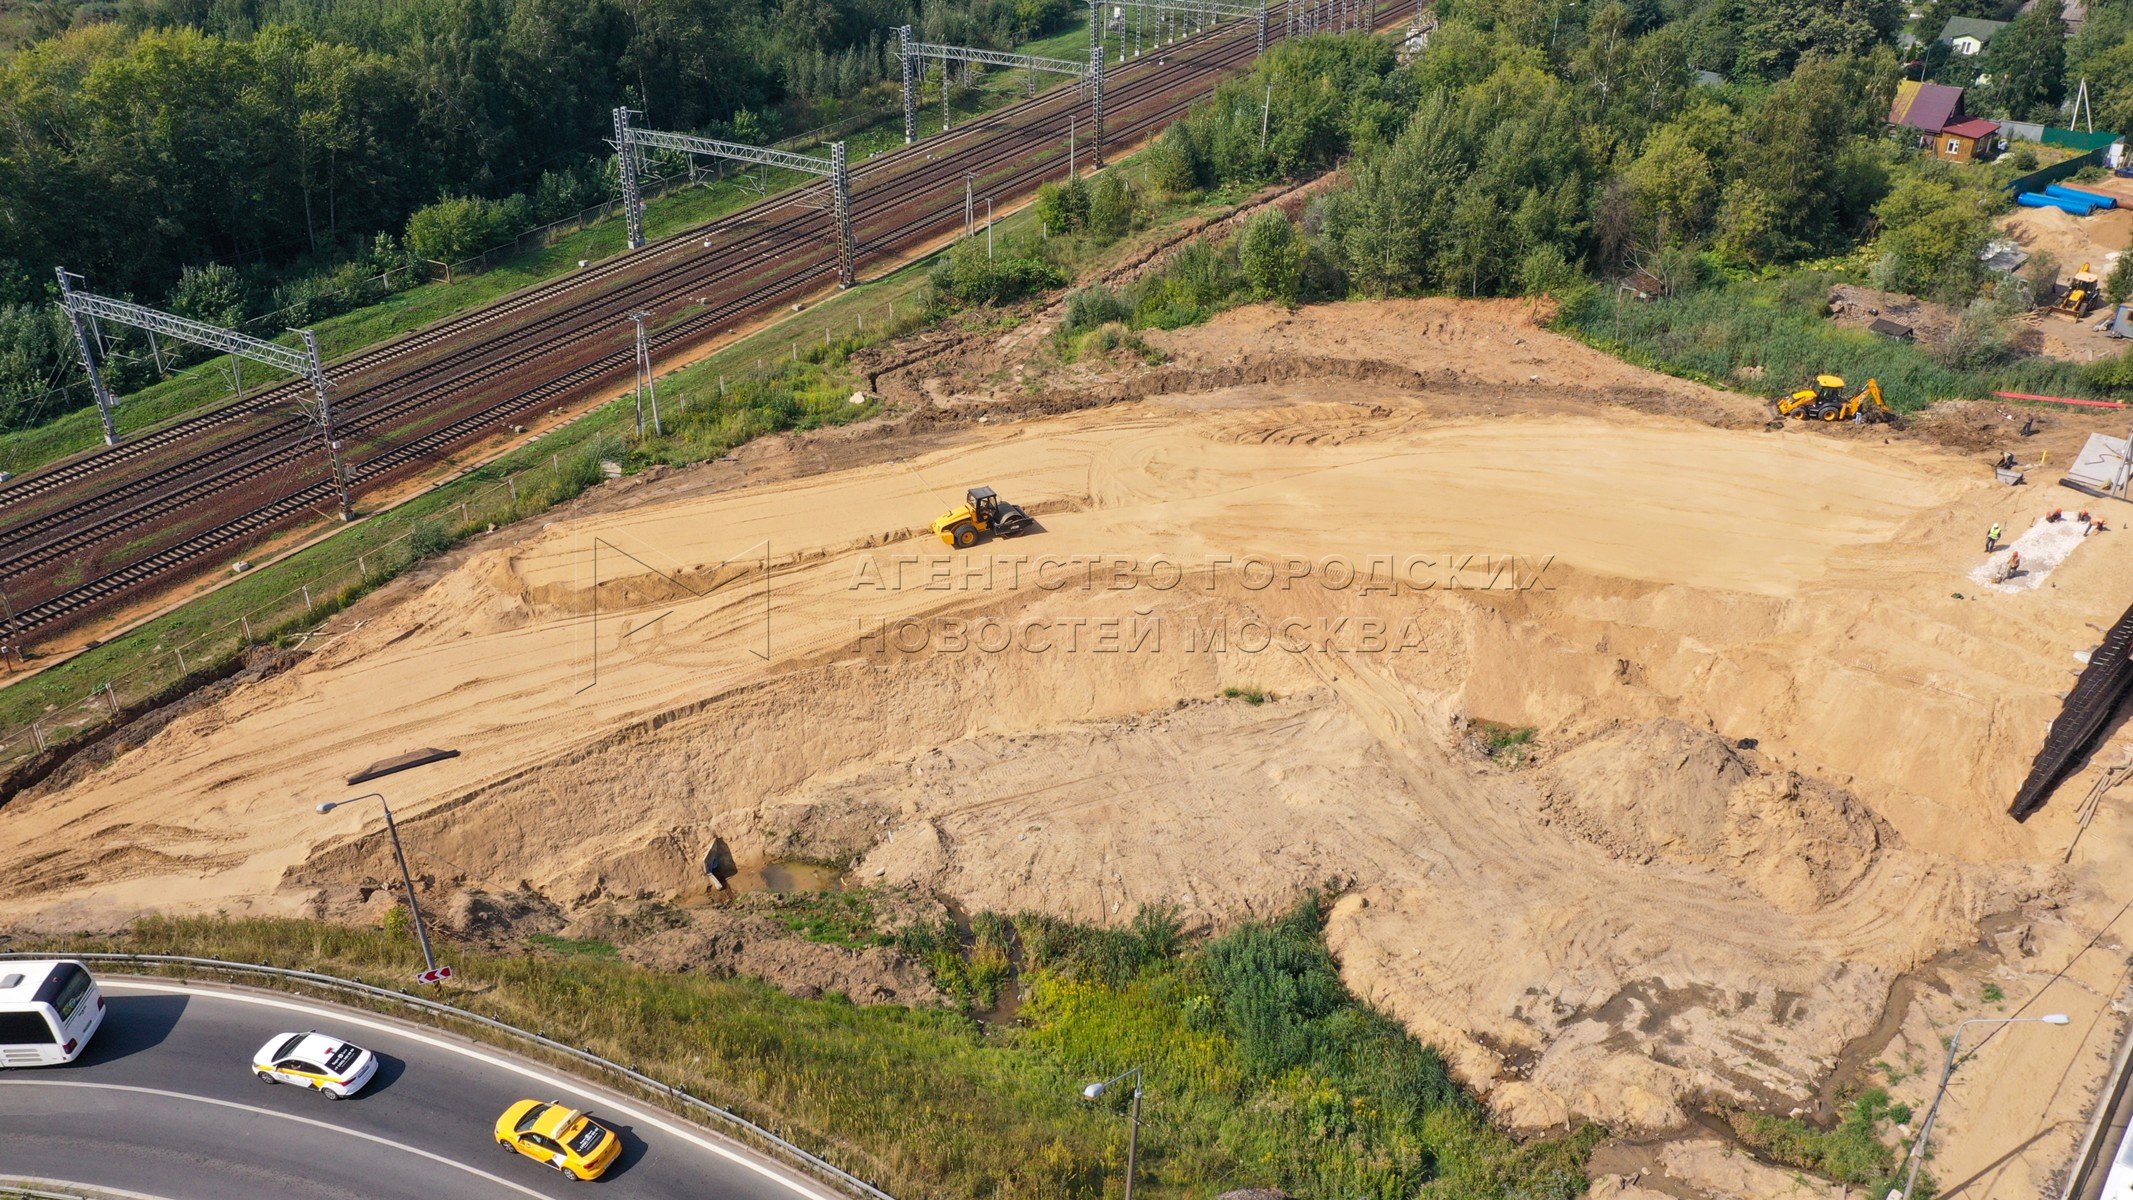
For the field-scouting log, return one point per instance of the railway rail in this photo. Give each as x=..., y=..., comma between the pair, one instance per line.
x=416, y=399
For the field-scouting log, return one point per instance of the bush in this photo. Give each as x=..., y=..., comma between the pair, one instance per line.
x=966, y=276
x=1983, y=335
x=1092, y=307
x=428, y=539
x=1852, y=1153
x=1112, y=209
x=1063, y=207
x=1272, y=257
x=1175, y=166
x=214, y=293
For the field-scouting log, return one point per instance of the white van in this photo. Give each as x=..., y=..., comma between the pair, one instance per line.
x=48, y=1012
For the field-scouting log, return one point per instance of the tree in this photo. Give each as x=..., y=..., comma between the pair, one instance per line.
x=2118, y=285
x=37, y=366
x=1776, y=35
x=1932, y=233
x=1175, y=166
x=2041, y=273
x=1271, y=257
x=1111, y=208
x=2110, y=76
x=1792, y=171
x=1064, y=207
x=2027, y=61
x=452, y=229
x=1674, y=187
x=1748, y=225
x=213, y=293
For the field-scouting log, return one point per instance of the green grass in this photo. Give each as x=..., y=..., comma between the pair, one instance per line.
x=1851, y=1153
x=1992, y=994
x=1250, y=695
x=1766, y=336
x=1261, y=1069
x=589, y=947
x=1507, y=742
x=835, y=918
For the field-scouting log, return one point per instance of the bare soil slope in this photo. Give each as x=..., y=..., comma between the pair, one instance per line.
x=1638, y=913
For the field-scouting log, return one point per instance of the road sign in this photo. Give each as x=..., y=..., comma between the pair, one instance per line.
x=437, y=975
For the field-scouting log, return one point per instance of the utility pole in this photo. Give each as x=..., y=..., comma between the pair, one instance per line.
x=970, y=206
x=841, y=210
x=903, y=40
x=646, y=388
x=1095, y=1091
x=1266, y=110
x=1096, y=97
x=1947, y=1072
x=988, y=229
x=322, y=389
x=106, y=403
x=632, y=198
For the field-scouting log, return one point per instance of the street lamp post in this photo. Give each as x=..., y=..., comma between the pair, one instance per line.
x=429, y=960
x=1947, y=1071
x=1095, y=1091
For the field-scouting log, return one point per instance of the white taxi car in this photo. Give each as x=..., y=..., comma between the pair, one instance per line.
x=313, y=1060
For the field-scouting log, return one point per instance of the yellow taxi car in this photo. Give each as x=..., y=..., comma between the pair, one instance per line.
x=564, y=1138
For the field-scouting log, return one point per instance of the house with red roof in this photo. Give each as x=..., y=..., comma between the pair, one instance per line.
x=1932, y=114
x=1971, y=140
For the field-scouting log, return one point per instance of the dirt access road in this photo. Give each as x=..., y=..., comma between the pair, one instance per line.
x=1777, y=725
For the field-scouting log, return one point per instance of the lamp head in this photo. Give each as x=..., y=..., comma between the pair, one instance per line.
x=1094, y=1091
x=2055, y=1019
x=327, y=806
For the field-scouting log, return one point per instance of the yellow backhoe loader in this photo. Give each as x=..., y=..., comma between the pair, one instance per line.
x=982, y=512
x=2077, y=296
x=1824, y=400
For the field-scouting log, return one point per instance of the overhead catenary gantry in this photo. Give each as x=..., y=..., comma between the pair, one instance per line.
x=912, y=52
x=85, y=309
x=1171, y=18
x=628, y=138
x=1307, y=17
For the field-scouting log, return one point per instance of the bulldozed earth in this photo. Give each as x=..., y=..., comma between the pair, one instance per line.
x=1660, y=757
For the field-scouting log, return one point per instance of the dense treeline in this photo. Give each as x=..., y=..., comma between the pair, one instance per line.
x=277, y=149
x=1519, y=152
x=257, y=133
x=1538, y=148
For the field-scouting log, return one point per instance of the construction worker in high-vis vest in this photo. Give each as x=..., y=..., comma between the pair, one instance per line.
x=1992, y=538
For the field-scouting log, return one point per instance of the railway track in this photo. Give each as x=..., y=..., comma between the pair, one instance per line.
x=904, y=197
x=276, y=398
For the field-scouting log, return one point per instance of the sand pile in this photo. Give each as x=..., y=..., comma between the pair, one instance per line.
x=1641, y=912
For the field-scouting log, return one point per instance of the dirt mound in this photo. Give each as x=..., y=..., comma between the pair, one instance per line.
x=1665, y=791
x=760, y=948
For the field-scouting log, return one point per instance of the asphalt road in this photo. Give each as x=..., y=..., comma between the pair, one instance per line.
x=164, y=1103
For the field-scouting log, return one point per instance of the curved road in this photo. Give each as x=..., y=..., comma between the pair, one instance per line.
x=164, y=1103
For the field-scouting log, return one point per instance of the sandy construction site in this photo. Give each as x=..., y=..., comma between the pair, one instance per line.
x=1756, y=844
